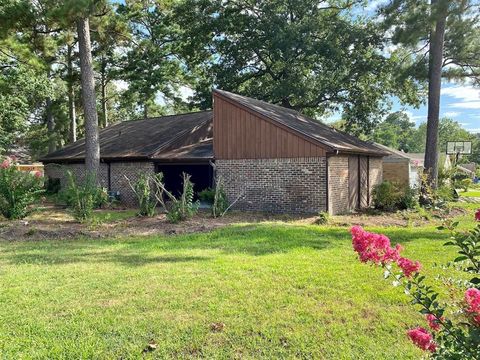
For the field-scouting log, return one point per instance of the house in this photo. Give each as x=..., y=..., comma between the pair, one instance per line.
x=402, y=168
x=269, y=158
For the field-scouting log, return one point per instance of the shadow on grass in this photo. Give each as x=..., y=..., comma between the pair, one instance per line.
x=254, y=239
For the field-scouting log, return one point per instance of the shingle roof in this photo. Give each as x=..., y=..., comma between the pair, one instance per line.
x=394, y=153
x=147, y=139
x=325, y=135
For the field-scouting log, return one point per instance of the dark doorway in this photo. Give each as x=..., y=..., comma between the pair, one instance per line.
x=202, y=176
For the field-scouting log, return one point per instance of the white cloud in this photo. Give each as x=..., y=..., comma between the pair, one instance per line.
x=474, y=131
x=451, y=114
x=466, y=105
x=464, y=93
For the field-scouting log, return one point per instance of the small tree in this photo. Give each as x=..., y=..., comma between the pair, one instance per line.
x=18, y=189
x=454, y=323
x=148, y=192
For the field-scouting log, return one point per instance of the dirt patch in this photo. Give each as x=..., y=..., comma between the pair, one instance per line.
x=56, y=223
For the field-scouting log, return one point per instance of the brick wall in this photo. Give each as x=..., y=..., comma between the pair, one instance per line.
x=397, y=171
x=338, y=184
x=118, y=171
x=276, y=185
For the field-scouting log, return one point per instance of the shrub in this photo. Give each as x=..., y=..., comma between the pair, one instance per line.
x=408, y=198
x=465, y=184
x=220, y=202
x=18, y=190
x=207, y=195
x=322, y=218
x=83, y=197
x=454, y=334
x=184, y=207
x=389, y=196
x=148, y=193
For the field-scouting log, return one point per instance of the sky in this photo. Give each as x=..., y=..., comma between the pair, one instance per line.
x=459, y=102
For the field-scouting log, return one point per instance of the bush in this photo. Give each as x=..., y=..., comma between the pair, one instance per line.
x=220, y=201
x=408, y=198
x=465, y=184
x=322, y=218
x=18, y=190
x=184, y=207
x=454, y=322
x=207, y=195
x=83, y=198
x=146, y=190
x=386, y=196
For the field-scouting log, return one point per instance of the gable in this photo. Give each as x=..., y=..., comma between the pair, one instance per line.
x=243, y=134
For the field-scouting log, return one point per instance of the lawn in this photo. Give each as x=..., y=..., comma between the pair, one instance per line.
x=471, y=193
x=274, y=290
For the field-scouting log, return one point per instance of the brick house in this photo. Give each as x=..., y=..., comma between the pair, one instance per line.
x=270, y=158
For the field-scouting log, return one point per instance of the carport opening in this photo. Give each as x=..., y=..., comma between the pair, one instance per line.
x=202, y=176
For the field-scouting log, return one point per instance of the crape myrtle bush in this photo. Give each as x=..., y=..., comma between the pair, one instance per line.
x=18, y=189
x=454, y=323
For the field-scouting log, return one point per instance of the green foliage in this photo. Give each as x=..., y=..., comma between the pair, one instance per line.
x=466, y=183
x=298, y=54
x=82, y=197
x=207, y=195
x=145, y=189
x=322, y=218
x=220, y=200
x=389, y=196
x=18, y=190
x=398, y=132
x=184, y=207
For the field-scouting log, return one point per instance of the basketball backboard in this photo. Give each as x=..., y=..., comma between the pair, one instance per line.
x=459, y=147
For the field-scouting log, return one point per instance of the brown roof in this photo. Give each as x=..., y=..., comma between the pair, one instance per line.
x=325, y=135
x=152, y=138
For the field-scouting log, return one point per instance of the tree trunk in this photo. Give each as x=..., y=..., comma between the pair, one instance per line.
x=92, y=147
x=71, y=96
x=434, y=86
x=104, y=95
x=52, y=141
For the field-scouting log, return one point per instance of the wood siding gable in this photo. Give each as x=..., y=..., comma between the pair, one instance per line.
x=241, y=133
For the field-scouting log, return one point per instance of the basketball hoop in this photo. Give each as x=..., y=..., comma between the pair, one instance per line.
x=458, y=148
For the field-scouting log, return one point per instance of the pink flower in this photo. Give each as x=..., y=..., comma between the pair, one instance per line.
x=5, y=164
x=422, y=339
x=472, y=298
x=434, y=322
x=408, y=266
x=477, y=215
x=372, y=247
x=37, y=174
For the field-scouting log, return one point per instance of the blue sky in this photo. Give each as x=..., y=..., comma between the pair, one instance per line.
x=459, y=102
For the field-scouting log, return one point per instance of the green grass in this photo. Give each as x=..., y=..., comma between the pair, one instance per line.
x=282, y=291
x=470, y=193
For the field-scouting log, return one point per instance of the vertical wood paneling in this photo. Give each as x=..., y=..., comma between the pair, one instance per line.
x=240, y=134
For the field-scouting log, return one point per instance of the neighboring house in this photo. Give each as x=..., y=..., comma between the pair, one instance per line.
x=270, y=158
x=402, y=168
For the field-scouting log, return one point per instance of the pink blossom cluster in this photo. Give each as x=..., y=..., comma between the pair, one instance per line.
x=6, y=163
x=422, y=338
x=434, y=322
x=372, y=247
x=472, y=298
x=376, y=248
